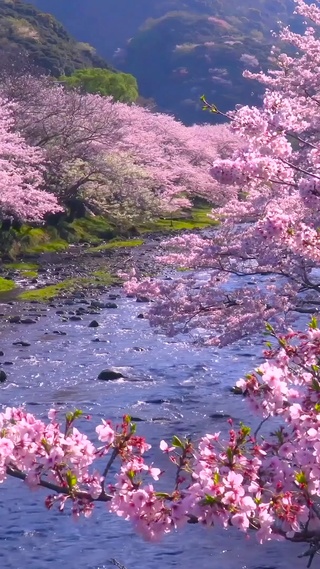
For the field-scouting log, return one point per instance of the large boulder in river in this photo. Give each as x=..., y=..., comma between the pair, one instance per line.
x=3, y=376
x=93, y=324
x=109, y=375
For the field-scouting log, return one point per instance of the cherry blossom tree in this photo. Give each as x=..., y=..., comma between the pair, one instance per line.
x=269, y=238
x=21, y=167
x=121, y=190
x=268, y=484
x=93, y=144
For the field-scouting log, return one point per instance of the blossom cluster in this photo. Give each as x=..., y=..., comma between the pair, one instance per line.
x=267, y=207
x=268, y=484
x=126, y=162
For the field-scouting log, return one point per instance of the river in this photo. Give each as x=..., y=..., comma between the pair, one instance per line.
x=172, y=388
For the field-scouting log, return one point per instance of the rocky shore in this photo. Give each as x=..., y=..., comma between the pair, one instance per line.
x=80, y=271
x=72, y=283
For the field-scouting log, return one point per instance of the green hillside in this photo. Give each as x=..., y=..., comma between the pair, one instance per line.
x=25, y=31
x=180, y=49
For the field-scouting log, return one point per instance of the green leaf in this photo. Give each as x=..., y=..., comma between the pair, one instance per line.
x=216, y=478
x=45, y=445
x=245, y=430
x=72, y=415
x=313, y=324
x=315, y=385
x=77, y=413
x=317, y=407
x=163, y=495
x=208, y=500
x=269, y=328
x=301, y=477
x=176, y=442
x=71, y=479
x=230, y=454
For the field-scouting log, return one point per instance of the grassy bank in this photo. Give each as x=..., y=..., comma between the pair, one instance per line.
x=197, y=219
x=6, y=285
x=30, y=241
x=68, y=287
x=25, y=270
x=95, y=231
x=116, y=244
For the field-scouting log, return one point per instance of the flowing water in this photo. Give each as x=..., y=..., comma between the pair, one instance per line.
x=171, y=388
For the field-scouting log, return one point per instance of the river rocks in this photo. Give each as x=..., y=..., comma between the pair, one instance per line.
x=79, y=294
x=142, y=299
x=3, y=376
x=75, y=318
x=59, y=333
x=81, y=310
x=217, y=416
x=140, y=315
x=110, y=375
x=97, y=304
x=236, y=390
x=21, y=343
x=15, y=319
x=19, y=320
x=1, y=353
x=137, y=349
x=94, y=324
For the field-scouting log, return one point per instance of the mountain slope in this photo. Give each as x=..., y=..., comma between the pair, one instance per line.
x=180, y=49
x=24, y=30
x=108, y=24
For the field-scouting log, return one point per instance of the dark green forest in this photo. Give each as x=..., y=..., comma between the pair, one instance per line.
x=25, y=32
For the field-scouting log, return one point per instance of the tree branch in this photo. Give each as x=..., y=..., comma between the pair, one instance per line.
x=15, y=473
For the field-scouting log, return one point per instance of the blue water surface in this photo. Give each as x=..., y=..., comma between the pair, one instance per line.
x=172, y=386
